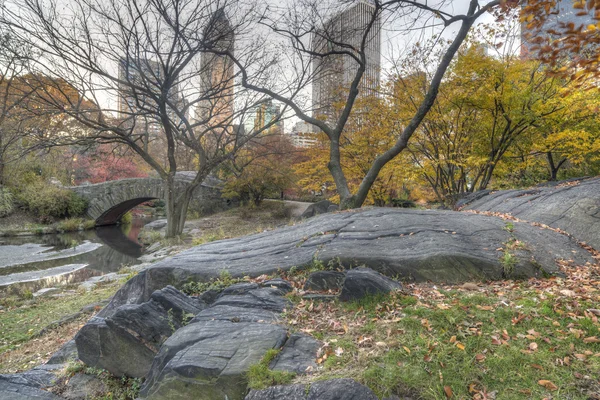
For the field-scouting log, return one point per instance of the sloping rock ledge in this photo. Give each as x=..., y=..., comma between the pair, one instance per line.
x=419, y=245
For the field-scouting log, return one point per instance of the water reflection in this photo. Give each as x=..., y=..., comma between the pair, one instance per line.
x=119, y=249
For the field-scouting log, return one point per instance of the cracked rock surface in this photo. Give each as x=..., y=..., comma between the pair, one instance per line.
x=420, y=245
x=571, y=206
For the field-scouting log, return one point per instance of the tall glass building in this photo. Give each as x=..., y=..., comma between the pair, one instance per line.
x=334, y=73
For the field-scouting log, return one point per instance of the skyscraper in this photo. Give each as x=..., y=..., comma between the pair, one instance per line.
x=334, y=74
x=263, y=114
x=216, y=74
x=142, y=73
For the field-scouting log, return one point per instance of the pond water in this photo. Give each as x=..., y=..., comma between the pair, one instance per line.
x=47, y=260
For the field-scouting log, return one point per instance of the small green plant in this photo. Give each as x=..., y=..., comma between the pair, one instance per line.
x=115, y=388
x=509, y=227
x=6, y=202
x=509, y=261
x=186, y=318
x=196, y=288
x=171, y=320
x=260, y=376
x=27, y=294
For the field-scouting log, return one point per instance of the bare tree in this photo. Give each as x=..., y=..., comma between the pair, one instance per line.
x=16, y=126
x=310, y=22
x=155, y=75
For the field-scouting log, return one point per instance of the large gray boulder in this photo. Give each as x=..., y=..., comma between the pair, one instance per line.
x=419, y=245
x=572, y=206
x=362, y=282
x=334, y=389
x=208, y=360
x=126, y=342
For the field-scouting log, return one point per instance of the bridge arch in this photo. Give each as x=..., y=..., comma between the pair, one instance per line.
x=108, y=201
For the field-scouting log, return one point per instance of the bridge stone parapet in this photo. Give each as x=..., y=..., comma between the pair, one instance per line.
x=108, y=201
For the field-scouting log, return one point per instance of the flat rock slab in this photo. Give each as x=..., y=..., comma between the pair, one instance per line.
x=38, y=275
x=32, y=253
x=334, y=389
x=208, y=360
x=420, y=245
x=14, y=391
x=571, y=206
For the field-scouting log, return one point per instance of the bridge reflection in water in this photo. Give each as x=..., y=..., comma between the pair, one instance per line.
x=119, y=249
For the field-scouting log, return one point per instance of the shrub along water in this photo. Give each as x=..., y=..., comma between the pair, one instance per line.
x=47, y=201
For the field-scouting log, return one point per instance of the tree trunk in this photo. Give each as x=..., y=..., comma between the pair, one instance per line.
x=554, y=167
x=176, y=207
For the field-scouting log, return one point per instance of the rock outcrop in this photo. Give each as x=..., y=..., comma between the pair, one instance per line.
x=127, y=341
x=334, y=389
x=572, y=206
x=209, y=358
x=420, y=245
x=27, y=385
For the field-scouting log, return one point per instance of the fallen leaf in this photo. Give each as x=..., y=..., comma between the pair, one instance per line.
x=460, y=346
x=448, y=392
x=591, y=339
x=533, y=346
x=547, y=384
x=470, y=286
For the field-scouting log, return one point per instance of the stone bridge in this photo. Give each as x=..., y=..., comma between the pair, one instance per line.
x=108, y=201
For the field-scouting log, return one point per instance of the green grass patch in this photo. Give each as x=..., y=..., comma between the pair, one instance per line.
x=260, y=376
x=510, y=346
x=116, y=388
x=194, y=288
x=25, y=316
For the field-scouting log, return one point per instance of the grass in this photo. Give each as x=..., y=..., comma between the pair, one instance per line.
x=21, y=222
x=240, y=221
x=22, y=318
x=510, y=340
x=74, y=224
x=260, y=376
x=225, y=279
x=115, y=388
